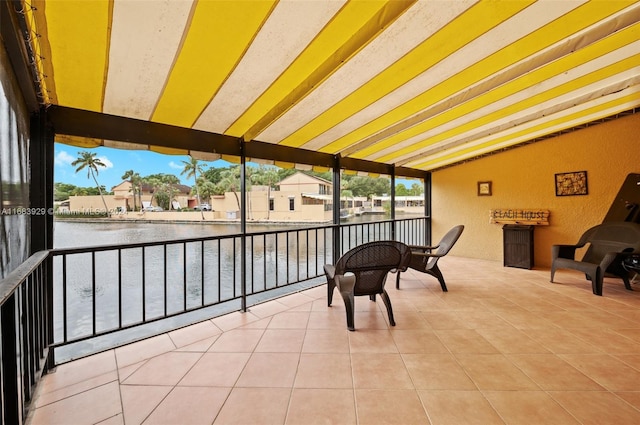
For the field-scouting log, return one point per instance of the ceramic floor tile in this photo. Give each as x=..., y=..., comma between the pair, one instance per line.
x=597, y=407
x=608, y=341
x=138, y=401
x=89, y=407
x=329, y=318
x=389, y=407
x=482, y=320
x=324, y=371
x=411, y=319
x=237, y=341
x=418, y=341
x=561, y=341
x=372, y=341
x=326, y=341
x=511, y=340
x=465, y=341
x=370, y=320
x=142, y=350
x=552, y=373
x=289, y=320
x=459, y=407
x=264, y=406
x=78, y=371
x=235, y=320
x=281, y=341
x=437, y=372
x=189, y=405
x=321, y=406
x=444, y=320
x=71, y=390
x=190, y=334
x=379, y=370
x=201, y=346
x=216, y=370
x=268, y=309
x=606, y=370
x=166, y=369
x=495, y=372
x=529, y=407
x=270, y=370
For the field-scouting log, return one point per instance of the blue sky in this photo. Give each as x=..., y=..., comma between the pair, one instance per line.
x=119, y=161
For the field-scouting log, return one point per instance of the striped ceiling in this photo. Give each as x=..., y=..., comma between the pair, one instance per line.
x=418, y=84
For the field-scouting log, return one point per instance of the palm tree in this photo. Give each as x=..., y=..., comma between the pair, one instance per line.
x=89, y=161
x=192, y=168
x=136, y=183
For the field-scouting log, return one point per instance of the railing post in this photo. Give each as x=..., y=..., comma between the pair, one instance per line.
x=393, y=202
x=427, y=209
x=243, y=226
x=10, y=394
x=336, y=209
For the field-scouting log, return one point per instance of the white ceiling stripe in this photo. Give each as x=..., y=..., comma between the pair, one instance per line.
x=144, y=41
x=505, y=103
x=520, y=25
x=289, y=29
x=412, y=28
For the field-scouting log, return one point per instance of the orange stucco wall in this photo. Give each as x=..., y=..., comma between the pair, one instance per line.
x=523, y=178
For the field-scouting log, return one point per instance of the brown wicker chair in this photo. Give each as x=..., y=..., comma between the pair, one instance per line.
x=369, y=264
x=609, y=244
x=425, y=258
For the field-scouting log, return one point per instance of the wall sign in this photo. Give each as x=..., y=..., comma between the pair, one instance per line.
x=517, y=216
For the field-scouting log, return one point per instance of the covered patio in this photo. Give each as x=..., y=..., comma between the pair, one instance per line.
x=379, y=88
x=503, y=346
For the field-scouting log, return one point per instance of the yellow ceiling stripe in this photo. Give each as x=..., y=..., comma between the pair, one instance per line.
x=477, y=20
x=77, y=141
x=576, y=118
x=220, y=32
x=582, y=56
x=569, y=24
x=78, y=34
x=351, y=29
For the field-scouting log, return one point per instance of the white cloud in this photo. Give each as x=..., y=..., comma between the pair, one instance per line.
x=106, y=162
x=175, y=166
x=63, y=158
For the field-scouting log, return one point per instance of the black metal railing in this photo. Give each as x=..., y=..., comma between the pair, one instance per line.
x=104, y=290
x=25, y=335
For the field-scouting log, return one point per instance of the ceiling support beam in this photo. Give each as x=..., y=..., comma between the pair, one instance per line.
x=96, y=125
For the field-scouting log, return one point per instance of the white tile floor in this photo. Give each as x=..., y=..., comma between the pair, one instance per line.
x=503, y=346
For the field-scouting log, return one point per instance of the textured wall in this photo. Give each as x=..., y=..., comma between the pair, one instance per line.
x=14, y=173
x=524, y=178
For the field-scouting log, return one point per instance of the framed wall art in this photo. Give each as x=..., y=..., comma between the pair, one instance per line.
x=484, y=188
x=573, y=183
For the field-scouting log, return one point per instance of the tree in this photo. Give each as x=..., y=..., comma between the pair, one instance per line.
x=89, y=161
x=163, y=188
x=136, y=183
x=230, y=182
x=192, y=168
